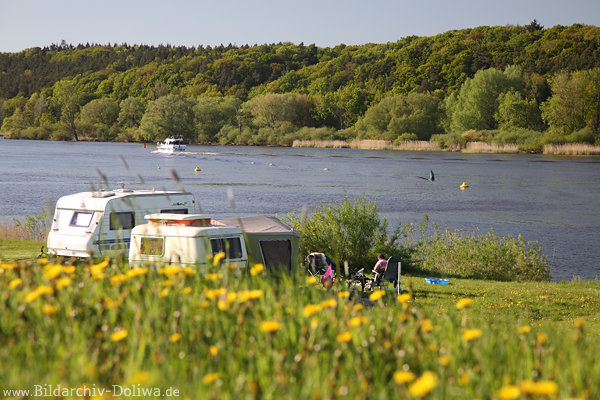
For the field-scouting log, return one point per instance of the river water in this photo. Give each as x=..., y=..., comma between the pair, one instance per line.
x=552, y=200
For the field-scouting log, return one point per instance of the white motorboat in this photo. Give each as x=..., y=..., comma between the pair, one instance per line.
x=171, y=145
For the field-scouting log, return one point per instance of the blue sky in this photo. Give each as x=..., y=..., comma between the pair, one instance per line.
x=327, y=23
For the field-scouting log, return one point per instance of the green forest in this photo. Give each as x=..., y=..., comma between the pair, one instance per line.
x=521, y=85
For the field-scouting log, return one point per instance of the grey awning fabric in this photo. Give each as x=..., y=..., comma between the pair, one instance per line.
x=259, y=224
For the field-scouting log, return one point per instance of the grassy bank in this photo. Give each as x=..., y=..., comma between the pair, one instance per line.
x=248, y=335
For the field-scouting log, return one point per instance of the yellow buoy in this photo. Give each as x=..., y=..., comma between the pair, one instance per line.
x=464, y=185
x=197, y=169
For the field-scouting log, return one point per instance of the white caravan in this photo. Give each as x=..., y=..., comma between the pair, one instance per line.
x=185, y=240
x=99, y=223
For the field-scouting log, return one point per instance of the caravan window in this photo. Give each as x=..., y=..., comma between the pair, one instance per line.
x=81, y=219
x=175, y=211
x=122, y=220
x=230, y=246
x=151, y=246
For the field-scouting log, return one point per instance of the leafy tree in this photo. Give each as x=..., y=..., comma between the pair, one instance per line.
x=213, y=113
x=66, y=95
x=394, y=116
x=103, y=111
x=565, y=110
x=167, y=116
x=131, y=112
x=477, y=102
x=516, y=112
x=271, y=109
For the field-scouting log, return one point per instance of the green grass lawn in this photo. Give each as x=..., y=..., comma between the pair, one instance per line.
x=15, y=249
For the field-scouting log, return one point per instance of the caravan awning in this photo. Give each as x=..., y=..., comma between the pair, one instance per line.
x=259, y=224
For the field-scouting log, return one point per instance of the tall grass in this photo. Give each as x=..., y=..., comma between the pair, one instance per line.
x=232, y=335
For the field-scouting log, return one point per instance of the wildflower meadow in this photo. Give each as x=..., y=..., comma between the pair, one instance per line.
x=168, y=331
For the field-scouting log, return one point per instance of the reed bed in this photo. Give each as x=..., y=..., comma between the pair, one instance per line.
x=333, y=144
x=483, y=147
x=575, y=149
x=418, y=145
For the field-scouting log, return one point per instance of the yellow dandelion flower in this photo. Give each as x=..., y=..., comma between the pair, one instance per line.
x=546, y=388
x=110, y=303
x=422, y=386
x=51, y=271
x=213, y=294
x=14, y=283
x=401, y=377
x=213, y=351
x=257, y=269
x=426, y=325
x=232, y=267
x=471, y=334
x=311, y=309
x=357, y=307
x=524, y=329
x=119, y=335
x=70, y=269
x=40, y=291
x=376, y=295
x=63, y=282
x=217, y=258
x=246, y=295
x=140, y=378
x=343, y=295
x=329, y=303
x=169, y=270
x=49, y=309
x=509, y=392
x=9, y=266
x=187, y=290
x=174, y=338
x=269, y=326
x=527, y=387
x=100, y=266
x=464, y=379
x=404, y=298
x=344, y=337
x=163, y=293
x=188, y=270
x=357, y=321
x=204, y=304
x=136, y=272
x=167, y=282
x=464, y=303
x=311, y=280
x=210, y=378
x=42, y=261
x=542, y=338
x=444, y=360
x=115, y=280
x=578, y=323
x=213, y=277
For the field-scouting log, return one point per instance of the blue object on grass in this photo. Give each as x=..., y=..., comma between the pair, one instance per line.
x=437, y=281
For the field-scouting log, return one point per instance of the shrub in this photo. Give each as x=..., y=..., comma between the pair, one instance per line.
x=457, y=253
x=349, y=231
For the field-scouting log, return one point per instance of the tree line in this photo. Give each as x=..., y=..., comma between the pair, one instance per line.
x=515, y=84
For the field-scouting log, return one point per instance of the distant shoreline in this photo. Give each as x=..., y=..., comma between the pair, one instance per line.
x=571, y=149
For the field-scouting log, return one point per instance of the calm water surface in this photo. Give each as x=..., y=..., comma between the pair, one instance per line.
x=554, y=200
